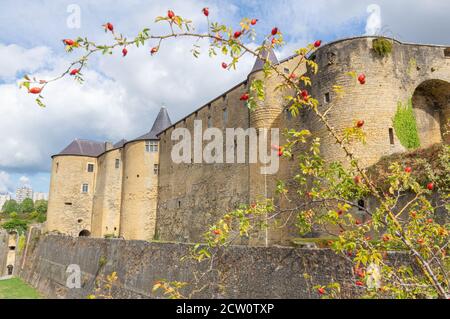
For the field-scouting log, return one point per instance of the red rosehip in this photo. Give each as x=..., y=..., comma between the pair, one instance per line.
x=274, y=41
x=68, y=42
x=362, y=78
x=253, y=205
x=420, y=241
x=280, y=153
x=293, y=76
x=359, y=283
x=35, y=90
x=237, y=34
x=245, y=97
x=74, y=72
x=124, y=51
x=357, y=179
x=109, y=27
x=205, y=11
x=224, y=65
x=275, y=31
x=321, y=291
x=430, y=220
x=408, y=169
x=360, y=123
x=154, y=50
x=340, y=212
x=317, y=44
x=254, y=21
x=430, y=186
x=357, y=222
x=216, y=232
x=305, y=94
x=386, y=238
x=170, y=14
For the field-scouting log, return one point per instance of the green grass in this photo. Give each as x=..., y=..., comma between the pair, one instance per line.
x=15, y=288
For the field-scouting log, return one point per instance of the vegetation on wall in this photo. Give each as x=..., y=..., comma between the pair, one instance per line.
x=382, y=46
x=405, y=126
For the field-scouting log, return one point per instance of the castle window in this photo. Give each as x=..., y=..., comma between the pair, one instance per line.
x=156, y=169
x=179, y=203
x=117, y=163
x=90, y=167
x=85, y=188
x=391, y=136
x=224, y=97
x=151, y=146
x=57, y=167
x=286, y=70
x=209, y=121
x=447, y=52
x=327, y=97
x=225, y=116
x=10, y=269
x=68, y=204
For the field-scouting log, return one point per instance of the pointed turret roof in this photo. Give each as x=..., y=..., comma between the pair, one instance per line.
x=161, y=123
x=84, y=148
x=266, y=52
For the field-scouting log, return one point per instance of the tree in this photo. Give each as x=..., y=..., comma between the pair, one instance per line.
x=20, y=226
x=27, y=206
x=41, y=206
x=327, y=191
x=10, y=206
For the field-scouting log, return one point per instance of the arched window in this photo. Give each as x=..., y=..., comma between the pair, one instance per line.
x=10, y=269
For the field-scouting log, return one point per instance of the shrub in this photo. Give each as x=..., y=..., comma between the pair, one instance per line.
x=405, y=126
x=382, y=46
x=18, y=225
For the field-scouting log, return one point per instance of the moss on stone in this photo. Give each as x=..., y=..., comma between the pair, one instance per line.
x=382, y=46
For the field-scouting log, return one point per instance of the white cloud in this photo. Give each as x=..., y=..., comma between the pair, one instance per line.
x=15, y=59
x=6, y=184
x=374, y=22
x=24, y=181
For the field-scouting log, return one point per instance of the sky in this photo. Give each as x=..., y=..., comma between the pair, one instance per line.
x=122, y=96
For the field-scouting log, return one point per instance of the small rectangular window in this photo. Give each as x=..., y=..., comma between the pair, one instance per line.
x=447, y=52
x=327, y=97
x=209, y=121
x=151, y=146
x=90, y=168
x=286, y=70
x=117, y=163
x=156, y=169
x=391, y=136
x=68, y=204
x=85, y=188
x=225, y=116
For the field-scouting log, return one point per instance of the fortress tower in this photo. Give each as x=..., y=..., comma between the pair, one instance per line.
x=140, y=182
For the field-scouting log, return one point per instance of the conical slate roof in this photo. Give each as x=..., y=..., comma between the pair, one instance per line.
x=266, y=52
x=161, y=123
x=84, y=148
x=120, y=143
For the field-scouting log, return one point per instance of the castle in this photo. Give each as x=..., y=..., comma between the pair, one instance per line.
x=134, y=190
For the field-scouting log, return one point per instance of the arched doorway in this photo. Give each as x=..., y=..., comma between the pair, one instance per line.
x=431, y=104
x=84, y=233
x=10, y=269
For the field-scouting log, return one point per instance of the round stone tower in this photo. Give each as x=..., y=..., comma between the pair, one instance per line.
x=140, y=182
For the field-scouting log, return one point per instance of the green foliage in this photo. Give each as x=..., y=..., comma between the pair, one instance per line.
x=382, y=46
x=22, y=243
x=405, y=126
x=18, y=225
x=41, y=206
x=10, y=206
x=27, y=206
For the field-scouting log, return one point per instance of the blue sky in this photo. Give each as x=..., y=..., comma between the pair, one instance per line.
x=121, y=97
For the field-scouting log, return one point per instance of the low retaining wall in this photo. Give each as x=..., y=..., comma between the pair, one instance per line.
x=237, y=272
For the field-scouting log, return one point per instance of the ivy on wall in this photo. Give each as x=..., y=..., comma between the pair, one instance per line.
x=405, y=126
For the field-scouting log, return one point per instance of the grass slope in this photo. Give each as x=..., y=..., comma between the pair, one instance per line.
x=15, y=288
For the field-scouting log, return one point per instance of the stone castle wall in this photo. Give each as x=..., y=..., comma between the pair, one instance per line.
x=184, y=199
x=108, y=195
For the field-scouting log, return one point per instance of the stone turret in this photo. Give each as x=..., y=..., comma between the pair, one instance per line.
x=140, y=182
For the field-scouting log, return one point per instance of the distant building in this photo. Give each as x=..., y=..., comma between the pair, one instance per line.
x=39, y=196
x=3, y=199
x=22, y=193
